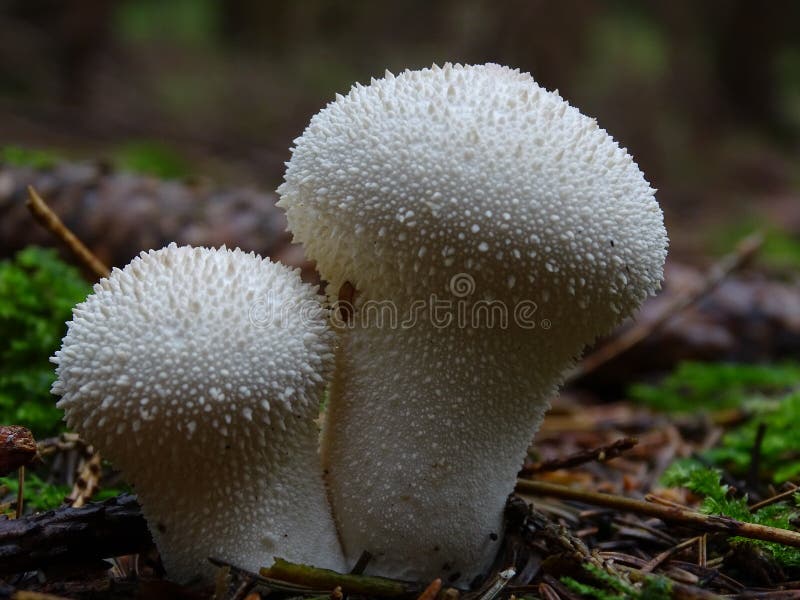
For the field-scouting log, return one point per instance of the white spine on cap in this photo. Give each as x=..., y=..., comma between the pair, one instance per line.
x=473, y=186
x=199, y=373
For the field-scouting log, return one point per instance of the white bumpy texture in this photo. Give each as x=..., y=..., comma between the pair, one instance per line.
x=475, y=186
x=199, y=373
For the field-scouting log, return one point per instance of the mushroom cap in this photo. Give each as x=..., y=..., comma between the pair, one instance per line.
x=402, y=185
x=204, y=344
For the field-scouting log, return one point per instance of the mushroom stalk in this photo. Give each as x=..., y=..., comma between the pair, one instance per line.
x=199, y=374
x=422, y=458
x=492, y=231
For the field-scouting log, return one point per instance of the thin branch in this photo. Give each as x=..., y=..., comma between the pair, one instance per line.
x=652, y=564
x=272, y=584
x=50, y=221
x=601, y=454
x=755, y=457
x=432, y=591
x=774, y=499
x=684, y=516
x=500, y=581
x=744, y=252
x=20, y=491
x=325, y=579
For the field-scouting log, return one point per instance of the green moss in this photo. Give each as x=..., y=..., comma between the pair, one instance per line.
x=39, y=495
x=151, y=158
x=771, y=398
x=37, y=293
x=717, y=500
x=27, y=157
x=779, y=447
x=780, y=250
x=605, y=586
x=769, y=393
x=183, y=22
x=712, y=386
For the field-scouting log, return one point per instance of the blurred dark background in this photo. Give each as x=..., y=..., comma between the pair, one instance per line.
x=705, y=95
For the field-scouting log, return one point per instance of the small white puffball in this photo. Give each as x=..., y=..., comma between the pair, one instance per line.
x=469, y=185
x=198, y=373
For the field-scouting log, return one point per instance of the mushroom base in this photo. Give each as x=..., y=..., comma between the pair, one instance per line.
x=247, y=505
x=426, y=431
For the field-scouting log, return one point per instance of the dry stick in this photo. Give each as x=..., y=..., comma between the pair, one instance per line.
x=20, y=491
x=50, y=221
x=651, y=565
x=683, y=516
x=679, y=591
x=601, y=454
x=547, y=592
x=272, y=584
x=702, y=551
x=500, y=581
x=755, y=457
x=432, y=591
x=745, y=250
x=325, y=579
x=777, y=498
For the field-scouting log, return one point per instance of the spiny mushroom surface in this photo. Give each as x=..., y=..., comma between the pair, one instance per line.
x=199, y=373
x=467, y=191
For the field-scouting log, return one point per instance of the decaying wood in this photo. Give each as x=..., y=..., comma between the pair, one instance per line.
x=17, y=448
x=68, y=535
x=50, y=221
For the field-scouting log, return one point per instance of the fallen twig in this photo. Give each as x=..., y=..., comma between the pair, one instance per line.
x=601, y=454
x=679, y=591
x=500, y=582
x=313, y=577
x=28, y=595
x=20, y=492
x=50, y=221
x=432, y=591
x=684, y=516
x=774, y=499
x=651, y=565
x=272, y=584
x=744, y=252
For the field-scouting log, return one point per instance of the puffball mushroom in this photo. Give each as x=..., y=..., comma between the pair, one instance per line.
x=199, y=373
x=472, y=186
